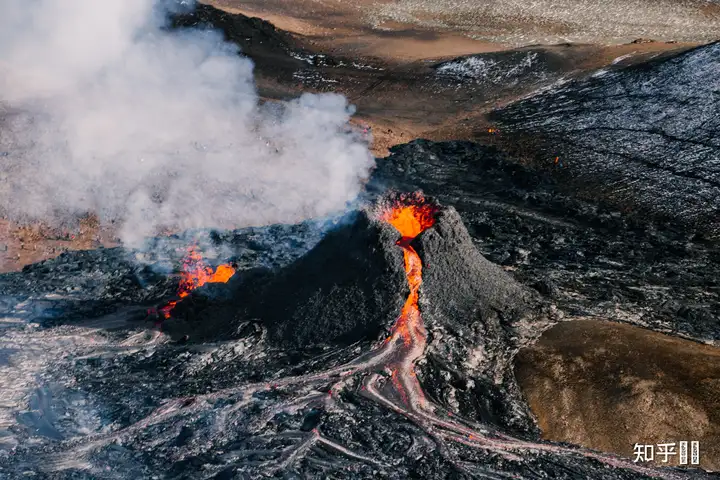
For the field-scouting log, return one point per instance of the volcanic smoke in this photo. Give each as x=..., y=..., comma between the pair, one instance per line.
x=104, y=109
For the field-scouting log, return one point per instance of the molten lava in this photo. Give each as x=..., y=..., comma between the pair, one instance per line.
x=410, y=216
x=195, y=274
x=410, y=220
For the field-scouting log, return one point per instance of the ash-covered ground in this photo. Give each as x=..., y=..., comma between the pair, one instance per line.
x=582, y=21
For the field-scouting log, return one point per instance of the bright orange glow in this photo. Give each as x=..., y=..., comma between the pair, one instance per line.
x=195, y=274
x=410, y=216
x=410, y=220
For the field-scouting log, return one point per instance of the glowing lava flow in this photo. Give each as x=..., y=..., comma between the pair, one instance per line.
x=195, y=274
x=410, y=220
x=411, y=217
x=398, y=354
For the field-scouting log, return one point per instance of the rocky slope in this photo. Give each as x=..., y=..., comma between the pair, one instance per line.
x=644, y=137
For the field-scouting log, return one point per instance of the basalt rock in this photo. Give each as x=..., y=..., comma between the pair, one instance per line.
x=645, y=137
x=351, y=286
x=478, y=316
x=459, y=283
x=248, y=406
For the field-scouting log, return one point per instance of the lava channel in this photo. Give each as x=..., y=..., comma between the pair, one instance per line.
x=410, y=221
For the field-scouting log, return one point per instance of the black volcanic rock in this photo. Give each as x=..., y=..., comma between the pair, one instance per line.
x=459, y=282
x=350, y=286
x=646, y=137
x=479, y=316
x=256, y=38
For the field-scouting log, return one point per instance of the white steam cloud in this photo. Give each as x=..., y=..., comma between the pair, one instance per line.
x=103, y=111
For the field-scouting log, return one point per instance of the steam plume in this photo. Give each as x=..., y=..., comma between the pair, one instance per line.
x=103, y=111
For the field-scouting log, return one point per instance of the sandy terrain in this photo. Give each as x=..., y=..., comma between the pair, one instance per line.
x=405, y=101
x=344, y=27
x=414, y=29
x=22, y=245
x=615, y=385
x=399, y=99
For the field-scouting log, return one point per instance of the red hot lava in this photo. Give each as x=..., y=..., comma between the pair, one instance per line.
x=195, y=274
x=410, y=216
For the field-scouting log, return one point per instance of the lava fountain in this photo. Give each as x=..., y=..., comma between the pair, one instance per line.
x=195, y=274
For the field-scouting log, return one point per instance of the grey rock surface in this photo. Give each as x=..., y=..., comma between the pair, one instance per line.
x=645, y=137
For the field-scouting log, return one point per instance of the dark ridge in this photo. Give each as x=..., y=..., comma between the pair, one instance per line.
x=256, y=38
x=592, y=258
x=351, y=286
x=480, y=316
x=458, y=282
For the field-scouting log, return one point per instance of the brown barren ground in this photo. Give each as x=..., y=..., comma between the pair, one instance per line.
x=335, y=28
x=22, y=245
x=609, y=386
x=396, y=101
x=402, y=30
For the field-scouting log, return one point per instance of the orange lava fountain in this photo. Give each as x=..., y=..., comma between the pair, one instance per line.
x=195, y=274
x=410, y=220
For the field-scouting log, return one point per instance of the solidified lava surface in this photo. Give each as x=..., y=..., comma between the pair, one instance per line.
x=644, y=137
x=274, y=393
